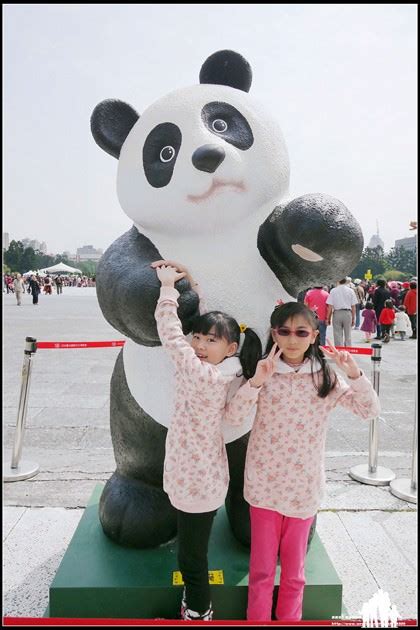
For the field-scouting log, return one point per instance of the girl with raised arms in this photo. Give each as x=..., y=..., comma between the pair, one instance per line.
x=196, y=472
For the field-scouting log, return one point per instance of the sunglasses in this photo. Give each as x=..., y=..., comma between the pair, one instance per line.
x=285, y=332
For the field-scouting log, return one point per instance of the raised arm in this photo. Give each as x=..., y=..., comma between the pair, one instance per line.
x=128, y=289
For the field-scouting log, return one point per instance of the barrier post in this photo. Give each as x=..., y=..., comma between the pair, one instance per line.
x=406, y=489
x=371, y=473
x=17, y=471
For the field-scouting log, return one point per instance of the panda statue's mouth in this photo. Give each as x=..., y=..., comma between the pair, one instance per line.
x=217, y=184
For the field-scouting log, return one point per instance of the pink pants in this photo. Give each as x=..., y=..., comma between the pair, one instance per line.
x=271, y=534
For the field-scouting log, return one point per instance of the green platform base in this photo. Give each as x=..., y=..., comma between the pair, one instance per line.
x=98, y=578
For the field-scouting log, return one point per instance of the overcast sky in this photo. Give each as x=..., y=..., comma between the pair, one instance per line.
x=341, y=80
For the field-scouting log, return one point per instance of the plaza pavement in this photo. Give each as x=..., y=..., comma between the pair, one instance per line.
x=369, y=534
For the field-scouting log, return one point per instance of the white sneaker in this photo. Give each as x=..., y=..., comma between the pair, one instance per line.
x=191, y=615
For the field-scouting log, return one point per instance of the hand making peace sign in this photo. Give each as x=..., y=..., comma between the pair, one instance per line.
x=265, y=367
x=343, y=359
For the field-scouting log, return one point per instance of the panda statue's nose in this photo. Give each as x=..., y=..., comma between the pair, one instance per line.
x=208, y=157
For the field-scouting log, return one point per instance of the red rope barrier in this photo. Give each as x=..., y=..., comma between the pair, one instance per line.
x=354, y=350
x=53, y=345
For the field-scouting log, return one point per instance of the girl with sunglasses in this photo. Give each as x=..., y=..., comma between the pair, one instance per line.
x=295, y=390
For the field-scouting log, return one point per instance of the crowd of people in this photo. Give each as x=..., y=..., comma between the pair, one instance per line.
x=387, y=310
x=35, y=284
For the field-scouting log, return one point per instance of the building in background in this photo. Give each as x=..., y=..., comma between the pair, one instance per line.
x=376, y=240
x=88, y=252
x=36, y=245
x=407, y=243
x=6, y=241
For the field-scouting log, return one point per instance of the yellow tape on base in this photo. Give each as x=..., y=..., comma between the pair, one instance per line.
x=215, y=577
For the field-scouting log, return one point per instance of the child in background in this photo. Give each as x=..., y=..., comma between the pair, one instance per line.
x=284, y=470
x=386, y=320
x=196, y=471
x=369, y=321
x=402, y=323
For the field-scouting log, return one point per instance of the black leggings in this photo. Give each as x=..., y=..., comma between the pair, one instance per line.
x=193, y=541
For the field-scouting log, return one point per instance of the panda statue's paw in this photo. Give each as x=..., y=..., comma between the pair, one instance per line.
x=310, y=241
x=135, y=514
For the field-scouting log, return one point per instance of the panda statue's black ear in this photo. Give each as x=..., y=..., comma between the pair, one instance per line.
x=111, y=122
x=227, y=67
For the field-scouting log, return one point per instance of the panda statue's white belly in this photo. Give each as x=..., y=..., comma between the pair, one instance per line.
x=233, y=279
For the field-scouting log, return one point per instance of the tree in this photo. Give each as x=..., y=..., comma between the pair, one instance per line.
x=88, y=267
x=402, y=259
x=28, y=260
x=372, y=258
x=13, y=256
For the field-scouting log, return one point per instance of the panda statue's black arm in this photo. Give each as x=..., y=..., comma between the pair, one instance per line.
x=312, y=240
x=128, y=289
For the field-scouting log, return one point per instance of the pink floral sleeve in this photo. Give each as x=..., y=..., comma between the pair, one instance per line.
x=173, y=339
x=359, y=397
x=239, y=407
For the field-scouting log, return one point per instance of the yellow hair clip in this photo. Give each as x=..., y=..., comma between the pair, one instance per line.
x=243, y=327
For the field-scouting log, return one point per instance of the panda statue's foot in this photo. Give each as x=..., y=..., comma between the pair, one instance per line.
x=135, y=514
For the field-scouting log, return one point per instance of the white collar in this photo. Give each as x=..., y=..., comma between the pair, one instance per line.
x=305, y=368
x=230, y=366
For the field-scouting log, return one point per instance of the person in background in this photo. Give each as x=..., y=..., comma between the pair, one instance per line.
x=369, y=321
x=410, y=303
x=19, y=288
x=316, y=299
x=405, y=287
x=360, y=295
x=402, y=323
x=386, y=320
x=394, y=289
x=59, y=285
x=380, y=295
x=35, y=289
x=341, y=307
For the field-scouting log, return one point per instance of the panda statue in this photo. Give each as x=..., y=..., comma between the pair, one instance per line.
x=204, y=174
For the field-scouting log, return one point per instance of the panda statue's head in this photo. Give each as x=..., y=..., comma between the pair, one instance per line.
x=203, y=155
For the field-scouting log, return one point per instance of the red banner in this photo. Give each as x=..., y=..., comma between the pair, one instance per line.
x=46, y=345
x=55, y=345
x=354, y=350
x=57, y=621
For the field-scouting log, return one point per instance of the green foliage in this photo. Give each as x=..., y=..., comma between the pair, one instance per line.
x=393, y=274
x=22, y=259
x=88, y=268
x=403, y=260
x=380, y=264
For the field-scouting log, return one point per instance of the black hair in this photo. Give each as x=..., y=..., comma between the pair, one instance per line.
x=402, y=308
x=380, y=282
x=389, y=304
x=278, y=318
x=413, y=284
x=224, y=326
x=369, y=305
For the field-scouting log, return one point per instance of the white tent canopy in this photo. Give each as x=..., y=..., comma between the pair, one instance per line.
x=41, y=274
x=61, y=268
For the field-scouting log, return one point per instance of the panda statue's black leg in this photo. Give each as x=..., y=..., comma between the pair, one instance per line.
x=135, y=514
x=134, y=510
x=237, y=508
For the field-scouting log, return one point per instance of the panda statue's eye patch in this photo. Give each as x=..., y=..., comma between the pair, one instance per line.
x=228, y=123
x=160, y=151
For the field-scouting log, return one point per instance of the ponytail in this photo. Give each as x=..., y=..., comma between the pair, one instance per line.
x=251, y=353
